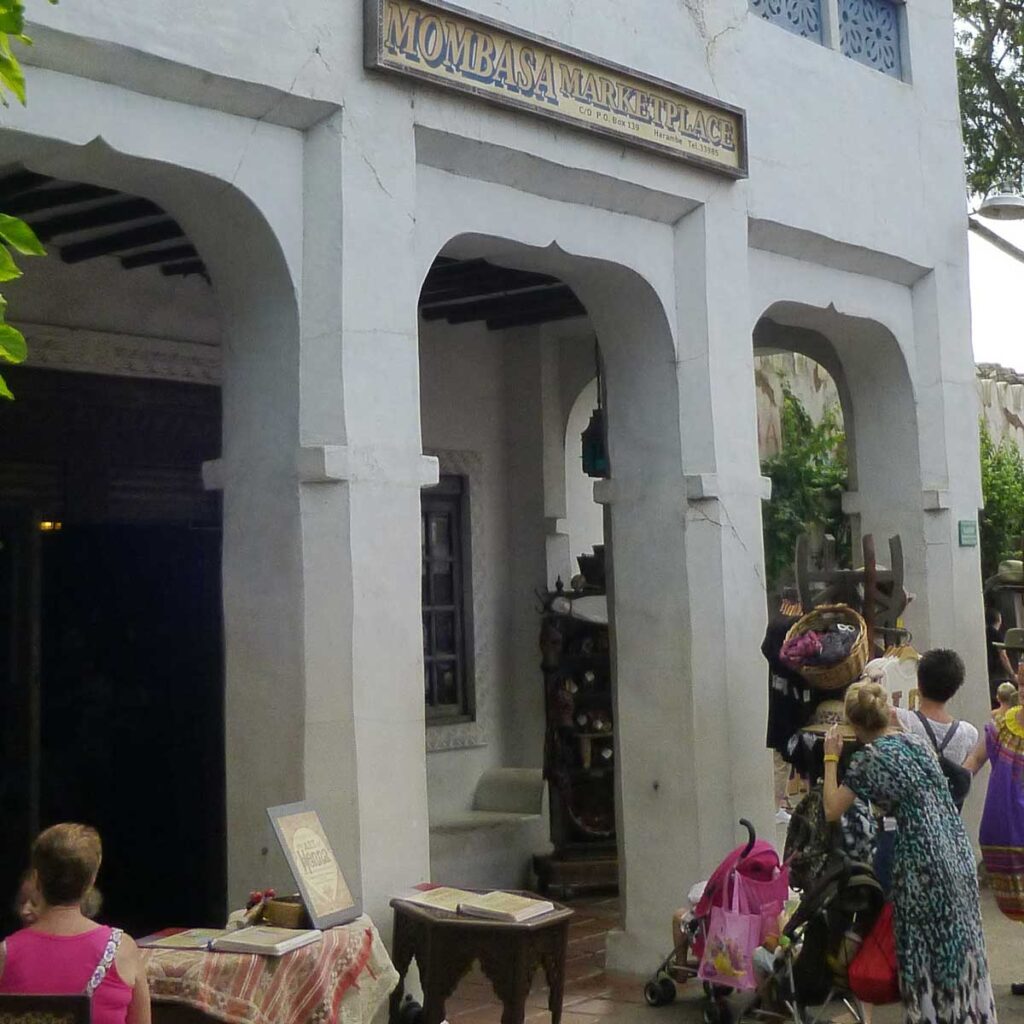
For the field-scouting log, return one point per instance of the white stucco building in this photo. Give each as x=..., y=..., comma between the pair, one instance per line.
x=318, y=195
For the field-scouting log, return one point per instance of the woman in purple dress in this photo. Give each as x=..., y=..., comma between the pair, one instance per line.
x=1002, y=823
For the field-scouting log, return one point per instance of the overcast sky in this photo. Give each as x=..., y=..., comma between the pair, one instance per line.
x=997, y=297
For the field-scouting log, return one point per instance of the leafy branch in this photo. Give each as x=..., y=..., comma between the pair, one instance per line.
x=990, y=63
x=16, y=237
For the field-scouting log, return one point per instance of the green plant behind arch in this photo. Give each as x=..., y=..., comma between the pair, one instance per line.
x=809, y=476
x=1002, y=488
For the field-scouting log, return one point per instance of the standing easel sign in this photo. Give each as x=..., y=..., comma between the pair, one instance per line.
x=308, y=852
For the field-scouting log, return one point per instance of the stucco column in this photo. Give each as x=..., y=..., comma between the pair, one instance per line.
x=262, y=572
x=724, y=547
x=950, y=474
x=361, y=470
x=687, y=585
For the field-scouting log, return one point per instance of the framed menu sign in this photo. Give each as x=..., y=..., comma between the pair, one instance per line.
x=321, y=882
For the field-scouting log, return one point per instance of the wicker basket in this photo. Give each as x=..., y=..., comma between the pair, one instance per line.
x=833, y=677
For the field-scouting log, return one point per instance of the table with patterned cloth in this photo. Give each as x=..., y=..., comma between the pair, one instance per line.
x=344, y=979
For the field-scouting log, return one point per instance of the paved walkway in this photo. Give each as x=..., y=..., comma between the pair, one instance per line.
x=596, y=996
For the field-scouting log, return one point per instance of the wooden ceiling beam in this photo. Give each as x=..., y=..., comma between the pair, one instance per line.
x=493, y=281
x=105, y=216
x=53, y=198
x=185, y=269
x=151, y=257
x=120, y=241
x=549, y=297
x=21, y=181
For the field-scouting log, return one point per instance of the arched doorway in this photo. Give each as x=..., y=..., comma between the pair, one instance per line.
x=137, y=408
x=536, y=372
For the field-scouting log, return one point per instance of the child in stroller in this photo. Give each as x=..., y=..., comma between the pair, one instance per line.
x=763, y=878
x=809, y=964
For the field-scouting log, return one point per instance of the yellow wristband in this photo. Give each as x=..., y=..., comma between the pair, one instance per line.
x=831, y=759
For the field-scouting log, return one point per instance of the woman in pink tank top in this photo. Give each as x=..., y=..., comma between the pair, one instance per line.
x=65, y=953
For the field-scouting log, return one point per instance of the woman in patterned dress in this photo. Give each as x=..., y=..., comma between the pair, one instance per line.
x=1002, y=823
x=940, y=947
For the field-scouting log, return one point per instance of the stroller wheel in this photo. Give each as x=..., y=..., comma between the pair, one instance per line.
x=717, y=1012
x=653, y=995
x=668, y=990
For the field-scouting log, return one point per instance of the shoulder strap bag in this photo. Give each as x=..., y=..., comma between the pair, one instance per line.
x=957, y=776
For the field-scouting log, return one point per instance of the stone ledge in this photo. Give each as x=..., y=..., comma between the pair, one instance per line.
x=326, y=463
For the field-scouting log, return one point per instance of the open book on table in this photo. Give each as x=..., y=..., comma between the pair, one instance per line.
x=493, y=906
x=181, y=938
x=265, y=940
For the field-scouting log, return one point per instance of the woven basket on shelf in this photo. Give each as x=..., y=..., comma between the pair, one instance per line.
x=833, y=677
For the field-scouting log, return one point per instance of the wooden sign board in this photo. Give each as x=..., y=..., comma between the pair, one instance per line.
x=447, y=46
x=308, y=852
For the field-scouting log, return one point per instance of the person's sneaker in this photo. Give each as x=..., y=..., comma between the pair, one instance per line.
x=782, y=816
x=1017, y=988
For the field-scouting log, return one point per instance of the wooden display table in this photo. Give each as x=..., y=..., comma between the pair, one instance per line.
x=343, y=979
x=446, y=945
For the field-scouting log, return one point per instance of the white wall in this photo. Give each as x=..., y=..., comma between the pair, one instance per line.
x=479, y=393
x=98, y=295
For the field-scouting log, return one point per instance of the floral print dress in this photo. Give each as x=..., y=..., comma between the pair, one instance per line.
x=936, y=914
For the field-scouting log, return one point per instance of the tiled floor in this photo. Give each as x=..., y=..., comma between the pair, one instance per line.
x=596, y=996
x=592, y=994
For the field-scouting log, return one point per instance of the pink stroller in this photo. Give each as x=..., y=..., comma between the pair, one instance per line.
x=765, y=880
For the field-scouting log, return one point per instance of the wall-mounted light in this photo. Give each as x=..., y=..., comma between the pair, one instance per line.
x=50, y=526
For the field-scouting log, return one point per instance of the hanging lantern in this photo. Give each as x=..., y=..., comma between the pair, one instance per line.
x=595, y=450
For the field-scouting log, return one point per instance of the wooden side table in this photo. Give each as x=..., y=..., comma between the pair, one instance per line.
x=446, y=945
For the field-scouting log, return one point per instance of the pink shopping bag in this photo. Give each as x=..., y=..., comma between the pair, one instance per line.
x=767, y=898
x=733, y=935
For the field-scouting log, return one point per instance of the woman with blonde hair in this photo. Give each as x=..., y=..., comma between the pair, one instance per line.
x=63, y=952
x=940, y=947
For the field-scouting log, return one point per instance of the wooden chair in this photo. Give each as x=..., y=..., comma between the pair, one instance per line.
x=45, y=1009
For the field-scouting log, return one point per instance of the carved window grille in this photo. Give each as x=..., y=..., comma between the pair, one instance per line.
x=802, y=17
x=869, y=32
x=447, y=640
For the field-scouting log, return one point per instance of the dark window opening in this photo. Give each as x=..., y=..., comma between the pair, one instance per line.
x=447, y=629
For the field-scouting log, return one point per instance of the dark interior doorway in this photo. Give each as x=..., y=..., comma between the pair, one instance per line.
x=111, y=686
x=132, y=716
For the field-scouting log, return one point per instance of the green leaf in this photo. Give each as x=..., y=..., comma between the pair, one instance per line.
x=20, y=237
x=8, y=268
x=12, y=18
x=12, y=344
x=5, y=391
x=12, y=77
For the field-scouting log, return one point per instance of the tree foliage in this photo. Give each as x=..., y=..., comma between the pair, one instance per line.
x=16, y=237
x=990, y=62
x=808, y=478
x=1002, y=485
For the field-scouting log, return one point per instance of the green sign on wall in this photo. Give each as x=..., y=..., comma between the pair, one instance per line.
x=968, y=533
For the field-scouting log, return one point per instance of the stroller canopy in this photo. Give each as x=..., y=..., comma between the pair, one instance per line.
x=761, y=864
